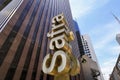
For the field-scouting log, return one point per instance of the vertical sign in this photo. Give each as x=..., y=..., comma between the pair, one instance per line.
x=62, y=63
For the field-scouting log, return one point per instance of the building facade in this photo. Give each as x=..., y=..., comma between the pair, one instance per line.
x=89, y=65
x=90, y=53
x=78, y=35
x=115, y=75
x=116, y=71
x=24, y=25
x=118, y=38
x=88, y=48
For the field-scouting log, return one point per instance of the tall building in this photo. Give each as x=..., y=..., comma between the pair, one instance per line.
x=81, y=50
x=88, y=48
x=84, y=43
x=89, y=52
x=23, y=37
x=78, y=35
x=90, y=69
x=115, y=75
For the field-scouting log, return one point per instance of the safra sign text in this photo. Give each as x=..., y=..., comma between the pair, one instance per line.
x=62, y=61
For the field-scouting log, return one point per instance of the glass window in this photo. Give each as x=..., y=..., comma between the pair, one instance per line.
x=4, y=3
x=7, y=9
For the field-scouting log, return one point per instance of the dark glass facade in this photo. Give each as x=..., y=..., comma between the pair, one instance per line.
x=24, y=42
x=79, y=40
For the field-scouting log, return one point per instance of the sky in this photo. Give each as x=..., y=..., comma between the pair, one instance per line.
x=94, y=18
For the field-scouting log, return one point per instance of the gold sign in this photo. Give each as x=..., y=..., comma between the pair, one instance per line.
x=62, y=63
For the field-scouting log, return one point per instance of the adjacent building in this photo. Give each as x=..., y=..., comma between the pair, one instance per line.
x=89, y=65
x=90, y=53
x=88, y=48
x=115, y=75
x=24, y=25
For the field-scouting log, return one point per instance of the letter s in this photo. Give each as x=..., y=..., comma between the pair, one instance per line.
x=52, y=67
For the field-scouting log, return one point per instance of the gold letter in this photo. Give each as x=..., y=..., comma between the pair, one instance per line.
x=58, y=42
x=59, y=64
x=60, y=26
x=75, y=67
x=57, y=32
